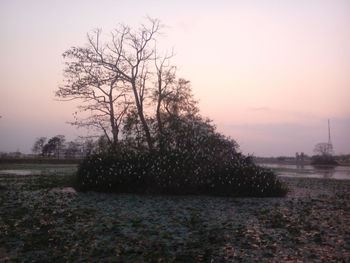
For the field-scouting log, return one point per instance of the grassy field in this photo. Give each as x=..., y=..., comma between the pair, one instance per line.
x=43, y=220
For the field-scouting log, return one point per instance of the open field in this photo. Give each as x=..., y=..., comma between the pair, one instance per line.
x=42, y=219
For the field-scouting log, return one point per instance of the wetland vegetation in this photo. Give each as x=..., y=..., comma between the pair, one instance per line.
x=42, y=219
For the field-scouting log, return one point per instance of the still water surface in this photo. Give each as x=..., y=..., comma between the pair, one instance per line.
x=41, y=169
x=336, y=172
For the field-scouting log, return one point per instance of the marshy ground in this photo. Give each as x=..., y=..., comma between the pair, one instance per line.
x=43, y=220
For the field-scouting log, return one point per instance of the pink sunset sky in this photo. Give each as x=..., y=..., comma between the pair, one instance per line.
x=268, y=73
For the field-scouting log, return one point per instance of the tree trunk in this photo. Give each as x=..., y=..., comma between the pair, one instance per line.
x=159, y=120
x=114, y=127
x=142, y=117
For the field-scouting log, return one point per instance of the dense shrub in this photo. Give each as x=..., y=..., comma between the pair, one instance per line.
x=323, y=160
x=175, y=171
x=190, y=158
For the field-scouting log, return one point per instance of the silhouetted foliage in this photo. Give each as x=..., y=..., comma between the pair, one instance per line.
x=39, y=145
x=195, y=159
x=323, y=149
x=72, y=149
x=323, y=154
x=165, y=145
x=176, y=172
x=323, y=160
x=54, y=146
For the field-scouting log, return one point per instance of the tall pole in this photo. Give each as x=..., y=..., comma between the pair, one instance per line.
x=329, y=133
x=329, y=145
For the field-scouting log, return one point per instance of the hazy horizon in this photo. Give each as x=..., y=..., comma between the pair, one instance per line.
x=269, y=74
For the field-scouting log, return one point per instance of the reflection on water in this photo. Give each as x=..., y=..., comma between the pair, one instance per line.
x=45, y=171
x=326, y=172
x=336, y=172
x=20, y=172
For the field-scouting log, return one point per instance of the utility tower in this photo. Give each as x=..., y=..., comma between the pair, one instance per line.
x=329, y=144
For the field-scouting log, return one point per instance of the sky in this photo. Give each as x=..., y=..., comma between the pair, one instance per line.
x=268, y=73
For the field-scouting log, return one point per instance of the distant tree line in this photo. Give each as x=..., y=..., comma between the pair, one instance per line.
x=58, y=147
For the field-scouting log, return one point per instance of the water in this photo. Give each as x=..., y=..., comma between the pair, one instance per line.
x=20, y=172
x=289, y=170
x=41, y=170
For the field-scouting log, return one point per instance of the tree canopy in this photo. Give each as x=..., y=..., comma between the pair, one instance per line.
x=129, y=89
x=155, y=140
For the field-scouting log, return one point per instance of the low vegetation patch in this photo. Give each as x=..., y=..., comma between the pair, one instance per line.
x=41, y=224
x=177, y=172
x=324, y=160
x=35, y=182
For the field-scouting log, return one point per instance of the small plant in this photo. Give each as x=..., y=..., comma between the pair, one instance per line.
x=277, y=219
x=165, y=235
x=194, y=219
x=136, y=222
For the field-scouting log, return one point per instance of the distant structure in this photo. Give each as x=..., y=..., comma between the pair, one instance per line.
x=329, y=144
x=324, y=151
x=300, y=158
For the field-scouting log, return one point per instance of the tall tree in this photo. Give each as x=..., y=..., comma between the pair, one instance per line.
x=117, y=79
x=106, y=75
x=101, y=90
x=39, y=145
x=133, y=56
x=323, y=149
x=179, y=101
x=72, y=149
x=54, y=146
x=166, y=75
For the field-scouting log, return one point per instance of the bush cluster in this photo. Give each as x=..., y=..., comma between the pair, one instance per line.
x=324, y=160
x=174, y=171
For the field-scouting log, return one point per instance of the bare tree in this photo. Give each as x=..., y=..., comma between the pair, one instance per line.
x=39, y=145
x=54, y=146
x=166, y=75
x=133, y=53
x=106, y=76
x=72, y=149
x=323, y=149
x=102, y=90
x=117, y=78
x=179, y=100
